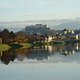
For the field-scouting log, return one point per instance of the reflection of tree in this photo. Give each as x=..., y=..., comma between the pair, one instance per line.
x=38, y=54
x=7, y=57
x=70, y=49
x=21, y=54
x=10, y=55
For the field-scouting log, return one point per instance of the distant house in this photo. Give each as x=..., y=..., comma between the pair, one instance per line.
x=72, y=36
x=79, y=36
x=0, y=40
x=49, y=39
x=68, y=34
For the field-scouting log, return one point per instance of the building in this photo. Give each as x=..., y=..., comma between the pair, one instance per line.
x=48, y=39
x=39, y=29
x=79, y=36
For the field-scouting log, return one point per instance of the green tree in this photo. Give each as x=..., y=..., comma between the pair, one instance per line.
x=5, y=36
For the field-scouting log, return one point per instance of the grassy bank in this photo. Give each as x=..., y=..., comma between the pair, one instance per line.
x=25, y=45
x=15, y=46
x=4, y=47
x=37, y=44
x=20, y=45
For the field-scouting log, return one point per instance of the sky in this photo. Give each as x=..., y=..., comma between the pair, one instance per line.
x=24, y=10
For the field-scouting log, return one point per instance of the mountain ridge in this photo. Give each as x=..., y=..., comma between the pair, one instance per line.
x=53, y=24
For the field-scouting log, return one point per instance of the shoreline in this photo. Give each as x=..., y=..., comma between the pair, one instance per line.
x=5, y=47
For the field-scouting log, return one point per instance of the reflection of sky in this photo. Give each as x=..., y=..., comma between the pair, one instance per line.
x=57, y=58
x=40, y=71
x=48, y=54
x=67, y=53
x=50, y=64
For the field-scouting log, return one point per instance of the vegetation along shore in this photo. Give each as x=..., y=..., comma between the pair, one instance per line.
x=35, y=36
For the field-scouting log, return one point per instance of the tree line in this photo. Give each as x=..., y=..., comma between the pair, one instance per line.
x=20, y=37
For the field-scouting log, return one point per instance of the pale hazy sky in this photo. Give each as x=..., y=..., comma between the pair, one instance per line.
x=23, y=10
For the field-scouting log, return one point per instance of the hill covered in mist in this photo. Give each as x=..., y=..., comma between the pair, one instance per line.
x=53, y=24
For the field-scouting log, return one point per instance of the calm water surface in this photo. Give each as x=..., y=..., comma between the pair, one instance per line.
x=45, y=63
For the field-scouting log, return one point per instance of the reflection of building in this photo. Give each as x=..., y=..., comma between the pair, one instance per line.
x=40, y=54
x=49, y=48
x=77, y=46
x=67, y=52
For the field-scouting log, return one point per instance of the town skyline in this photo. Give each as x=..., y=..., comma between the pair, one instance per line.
x=53, y=24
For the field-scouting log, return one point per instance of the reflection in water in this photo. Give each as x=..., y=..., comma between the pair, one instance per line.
x=44, y=53
x=21, y=54
x=77, y=46
x=7, y=56
x=38, y=54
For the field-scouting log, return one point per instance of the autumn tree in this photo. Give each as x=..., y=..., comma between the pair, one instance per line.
x=5, y=36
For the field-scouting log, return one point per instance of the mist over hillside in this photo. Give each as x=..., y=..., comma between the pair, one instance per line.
x=53, y=24
x=73, y=24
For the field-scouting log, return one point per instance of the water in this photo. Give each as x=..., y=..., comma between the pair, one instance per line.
x=45, y=63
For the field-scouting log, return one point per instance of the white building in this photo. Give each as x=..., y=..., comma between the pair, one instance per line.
x=50, y=39
x=77, y=36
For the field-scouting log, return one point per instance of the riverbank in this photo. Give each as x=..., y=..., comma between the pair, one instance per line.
x=37, y=44
x=25, y=45
x=4, y=47
x=20, y=45
x=58, y=42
